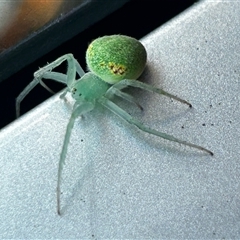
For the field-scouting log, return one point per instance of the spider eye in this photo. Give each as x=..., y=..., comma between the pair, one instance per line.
x=74, y=90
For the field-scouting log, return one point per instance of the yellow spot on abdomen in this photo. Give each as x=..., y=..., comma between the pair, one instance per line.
x=117, y=69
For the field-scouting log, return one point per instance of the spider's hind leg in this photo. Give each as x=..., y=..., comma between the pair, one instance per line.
x=127, y=117
x=135, y=83
x=115, y=91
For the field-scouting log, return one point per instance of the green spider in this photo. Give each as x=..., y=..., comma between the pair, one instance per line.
x=115, y=62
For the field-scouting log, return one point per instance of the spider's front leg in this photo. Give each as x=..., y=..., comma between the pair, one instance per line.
x=46, y=73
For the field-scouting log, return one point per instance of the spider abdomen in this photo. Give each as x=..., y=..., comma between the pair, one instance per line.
x=116, y=57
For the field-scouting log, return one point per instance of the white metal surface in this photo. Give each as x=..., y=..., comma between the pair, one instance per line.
x=121, y=183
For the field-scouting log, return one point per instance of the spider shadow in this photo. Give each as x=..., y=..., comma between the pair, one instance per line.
x=75, y=194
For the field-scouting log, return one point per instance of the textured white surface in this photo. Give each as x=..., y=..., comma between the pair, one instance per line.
x=120, y=182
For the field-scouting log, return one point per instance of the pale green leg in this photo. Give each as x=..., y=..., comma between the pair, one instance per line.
x=59, y=77
x=121, y=113
x=24, y=93
x=134, y=83
x=45, y=72
x=115, y=91
x=77, y=111
x=72, y=67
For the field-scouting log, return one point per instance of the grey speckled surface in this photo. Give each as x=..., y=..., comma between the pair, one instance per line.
x=122, y=183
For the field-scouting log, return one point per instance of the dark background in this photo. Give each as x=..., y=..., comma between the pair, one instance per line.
x=136, y=18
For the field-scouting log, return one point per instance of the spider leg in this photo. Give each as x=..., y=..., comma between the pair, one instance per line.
x=73, y=67
x=115, y=91
x=24, y=93
x=78, y=109
x=135, y=83
x=46, y=72
x=59, y=77
x=127, y=117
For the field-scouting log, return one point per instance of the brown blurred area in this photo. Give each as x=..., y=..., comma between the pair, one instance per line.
x=28, y=16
